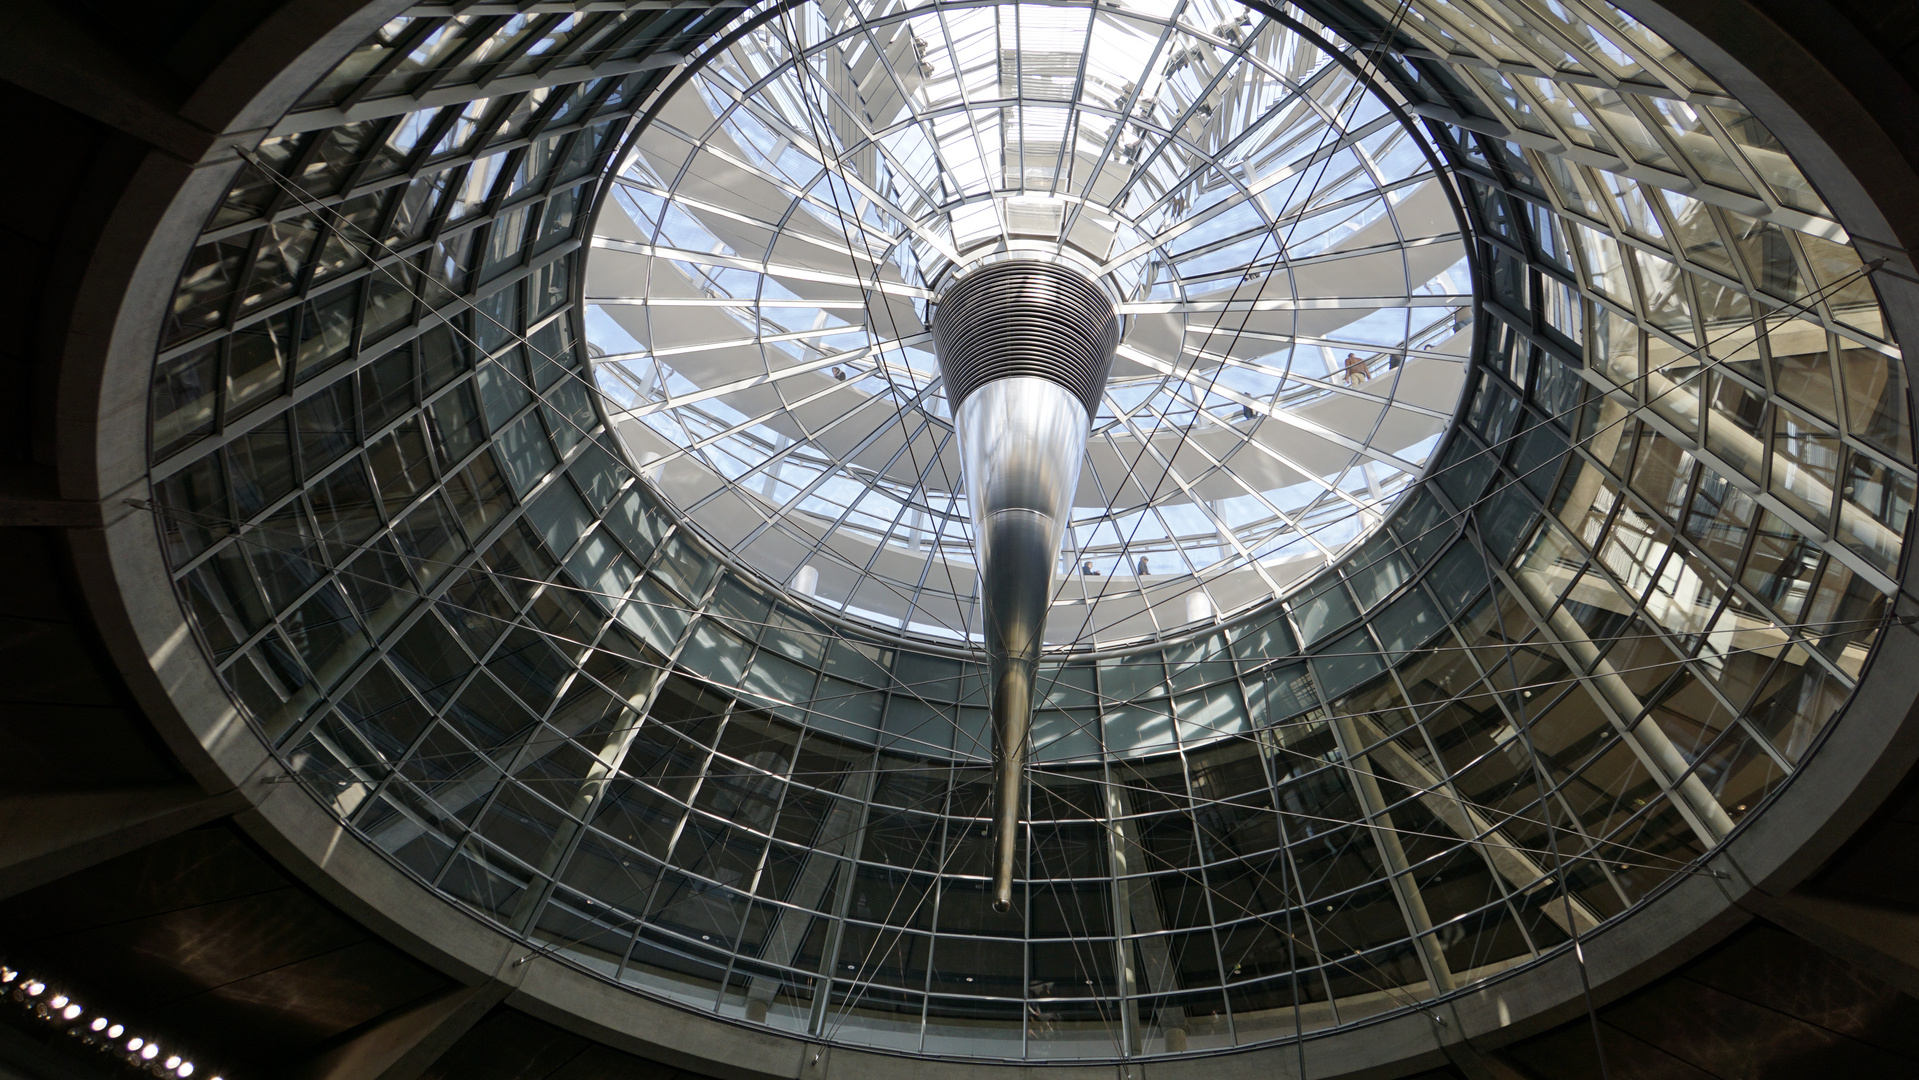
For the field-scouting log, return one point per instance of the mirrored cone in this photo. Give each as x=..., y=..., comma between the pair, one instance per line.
x=1024, y=350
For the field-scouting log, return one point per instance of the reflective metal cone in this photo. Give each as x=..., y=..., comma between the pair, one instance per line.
x=1024, y=349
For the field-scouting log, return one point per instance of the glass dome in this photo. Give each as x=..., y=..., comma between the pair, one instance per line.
x=1295, y=296
x=568, y=686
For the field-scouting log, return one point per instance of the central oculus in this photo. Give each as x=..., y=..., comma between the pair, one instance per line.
x=1024, y=350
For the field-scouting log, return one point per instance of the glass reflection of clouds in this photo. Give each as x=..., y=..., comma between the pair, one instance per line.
x=1294, y=288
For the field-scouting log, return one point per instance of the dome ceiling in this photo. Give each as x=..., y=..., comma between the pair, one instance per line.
x=566, y=686
x=1294, y=289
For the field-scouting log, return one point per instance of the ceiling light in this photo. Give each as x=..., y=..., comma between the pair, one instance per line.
x=173, y=1061
x=150, y=1051
x=135, y=1043
x=185, y=1069
x=99, y=1023
x=57, y=1001
x=115, y=1031
x=70, y=1011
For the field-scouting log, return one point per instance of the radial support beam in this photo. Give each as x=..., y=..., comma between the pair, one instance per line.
x=1024, y=351
x=1519, y=867
x=1648, y=741
x=1379, y=822
x=835, y=846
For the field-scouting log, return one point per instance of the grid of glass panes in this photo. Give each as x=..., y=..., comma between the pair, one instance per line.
x=315, y=412
x=1294, y=289
x=1743, y=481
x=1577, y=657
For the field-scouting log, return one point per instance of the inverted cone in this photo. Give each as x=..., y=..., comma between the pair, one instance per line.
x=1021, y=444
x=1024, y=350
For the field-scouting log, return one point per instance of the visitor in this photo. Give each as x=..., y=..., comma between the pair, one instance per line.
x=1355, y=369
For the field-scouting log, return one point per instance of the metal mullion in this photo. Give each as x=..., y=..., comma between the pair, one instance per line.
x=409, y=754
x=1647, y=414
x=1123, y=117
x=480, y=32
x=969, y=111
x=1285, y=375
x=906, y=504
x=800, y=368
x=1126, y=996
x=443, y=473
x=673, y=195
x=1142, y=172
x=250, y=268
x=1069, y=138
x=1818, y=534
x=1626, y=727
x=871, y=487
x=304, y=391
x=1206, y=881
x=397, y=55
x=763, y=267
x=351, y=183
x=1554, y=791
x=843, y=897
x=380, y=650
x=539, y=896
x=1289, y=519
x=779, y=457
x=621, y=38
x=1287, y=868
x=936, y=550
x=1265, y=759
x=1600, y=127
x=865, y=29
x=1677, y=548
x=1305, y=916
x=826, y=474
x=432, y=595
x=294, y=300
x=1679, y=544
x=1392, y=856
x=1509, y=891
x=1032, y=847
x=277, y=616
x=802, y=141
x=684, y=810
x=420, y=739
x=419, y=168
x=535, y=33
x=563, y=55
x=939, y=896
x=1447, y=781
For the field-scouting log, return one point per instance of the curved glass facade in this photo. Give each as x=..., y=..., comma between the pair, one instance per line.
x=1294, y=290
x=1644, y=573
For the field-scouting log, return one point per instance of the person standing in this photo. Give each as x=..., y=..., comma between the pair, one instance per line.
x=1355, y=369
